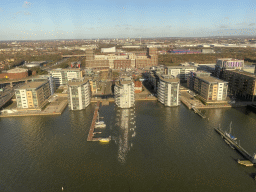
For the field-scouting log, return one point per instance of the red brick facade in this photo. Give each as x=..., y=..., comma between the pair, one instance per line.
x=122, y=64
x=13, y=75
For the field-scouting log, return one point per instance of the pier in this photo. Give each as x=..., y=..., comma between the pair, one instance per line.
x=90, y=135
x=198, y=112
x=240, y=149
x=91, y=131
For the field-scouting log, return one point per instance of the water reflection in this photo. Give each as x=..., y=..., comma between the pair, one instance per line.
x=124, y=131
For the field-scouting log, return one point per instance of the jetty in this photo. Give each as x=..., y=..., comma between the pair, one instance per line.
x=91, y=131
x=251, y=160
x=95, y=116
x=197, y=111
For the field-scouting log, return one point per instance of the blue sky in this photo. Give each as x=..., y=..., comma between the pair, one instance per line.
x=85, y=19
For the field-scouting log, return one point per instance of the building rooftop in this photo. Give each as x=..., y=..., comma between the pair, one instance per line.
x=230, y=59
x=168, y=78
x=77, y=82
x=17, y=70
x=66, y=69
x=211, y=79
x=244, y=73
x=181, y=67
x=32, y=85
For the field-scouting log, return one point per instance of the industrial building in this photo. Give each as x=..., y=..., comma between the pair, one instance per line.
x=227, y=63
x=33, y=95
x=35, y=63
x=62, y=76
x=181, y=72
x=241, y=83
x=108, y=50
x=79, y=94
x=112, y=61
x=168, y=90
x=124, y=92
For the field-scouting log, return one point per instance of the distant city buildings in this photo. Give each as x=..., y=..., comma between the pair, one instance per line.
x=168, y=90
x=124, y=93
x=108, y=50
x=124, y=61
x=79, y=94
x=62, y=76
x=32, y=95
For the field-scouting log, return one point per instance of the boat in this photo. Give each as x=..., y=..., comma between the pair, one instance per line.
x=100, y=124
x=229, y=134
x=105, y=140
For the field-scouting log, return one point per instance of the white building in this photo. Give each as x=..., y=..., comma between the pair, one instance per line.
x=168, y=90
x=79, y=94
x=181, y=72
x=124, y=93
x=62, y=76
x=108, y=50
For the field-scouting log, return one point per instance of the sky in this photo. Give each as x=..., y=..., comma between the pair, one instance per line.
x=92, y=19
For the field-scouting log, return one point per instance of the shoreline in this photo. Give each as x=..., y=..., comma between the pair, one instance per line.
x=65, y=103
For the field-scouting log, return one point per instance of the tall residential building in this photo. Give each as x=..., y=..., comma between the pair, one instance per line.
x=48, y=78
x=62, y=76
x=124, y=93
x=241, y=83
x=168, y=90
x=227, y=64
x=193, y=75
x=79, y=94
x=33, y=95
x=181, y=72
x=211, y=88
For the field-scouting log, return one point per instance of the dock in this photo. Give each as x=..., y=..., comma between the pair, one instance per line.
x=251, y=160
x=91, y=131
x=197, y=111
x=96, y=111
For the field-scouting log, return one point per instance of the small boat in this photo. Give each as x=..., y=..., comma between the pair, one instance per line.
x=100, y=124
x=105, y=140
x=229, y=134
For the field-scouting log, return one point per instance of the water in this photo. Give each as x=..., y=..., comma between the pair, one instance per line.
x=154, y=148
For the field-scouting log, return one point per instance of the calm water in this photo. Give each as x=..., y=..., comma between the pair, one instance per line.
x=154, y=148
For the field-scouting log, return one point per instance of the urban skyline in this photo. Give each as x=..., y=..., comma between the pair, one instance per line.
x=74, y=19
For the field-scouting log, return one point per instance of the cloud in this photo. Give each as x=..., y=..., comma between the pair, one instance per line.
x=243, y=23
x=27, y=13
x=26, y=4
x=223, y=26
x=252, y=24
x=226, y=18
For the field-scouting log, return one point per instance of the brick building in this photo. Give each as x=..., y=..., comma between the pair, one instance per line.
x=17, y=73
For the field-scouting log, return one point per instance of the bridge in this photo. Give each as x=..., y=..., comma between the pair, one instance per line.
x=73, y=56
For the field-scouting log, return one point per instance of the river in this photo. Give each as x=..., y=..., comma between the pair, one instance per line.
x=153, y=148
